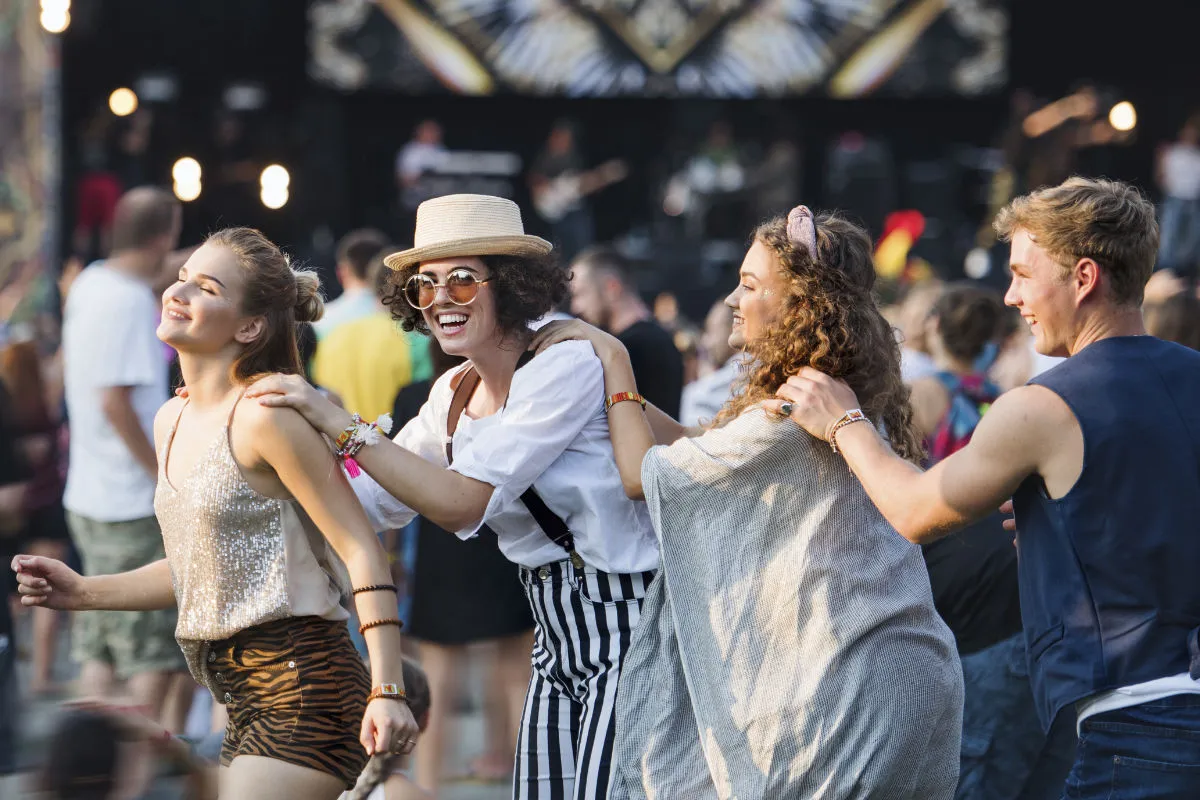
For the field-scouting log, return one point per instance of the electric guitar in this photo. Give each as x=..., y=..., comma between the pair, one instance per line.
x=556, y=198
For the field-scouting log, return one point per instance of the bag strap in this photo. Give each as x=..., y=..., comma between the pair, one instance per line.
x=552, y=525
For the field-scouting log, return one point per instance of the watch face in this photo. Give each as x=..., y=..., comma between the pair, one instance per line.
x=711, y=48
x=389, y=690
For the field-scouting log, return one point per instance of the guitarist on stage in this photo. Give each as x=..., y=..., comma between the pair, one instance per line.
x=559, y=186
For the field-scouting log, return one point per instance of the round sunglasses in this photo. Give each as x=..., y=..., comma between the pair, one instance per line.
x=462, y=287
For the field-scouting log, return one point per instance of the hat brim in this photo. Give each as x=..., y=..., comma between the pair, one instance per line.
x=478, y=246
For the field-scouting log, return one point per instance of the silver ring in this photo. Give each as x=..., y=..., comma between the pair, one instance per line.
x=786, y=408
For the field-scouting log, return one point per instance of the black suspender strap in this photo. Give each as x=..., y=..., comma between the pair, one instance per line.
x=552, y=525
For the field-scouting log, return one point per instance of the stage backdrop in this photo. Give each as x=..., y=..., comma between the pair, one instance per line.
x=696, y=48
x=29, y=155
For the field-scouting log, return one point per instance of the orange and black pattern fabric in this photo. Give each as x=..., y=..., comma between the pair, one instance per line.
x=296, y=691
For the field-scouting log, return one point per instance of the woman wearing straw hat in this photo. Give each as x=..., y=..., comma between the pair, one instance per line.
x=521, y=444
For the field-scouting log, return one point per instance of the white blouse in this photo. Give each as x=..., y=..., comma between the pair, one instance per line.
x=551, y=434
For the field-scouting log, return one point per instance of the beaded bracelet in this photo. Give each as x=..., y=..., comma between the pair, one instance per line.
x=366, y=626
x=379, y=587
x=850, y=417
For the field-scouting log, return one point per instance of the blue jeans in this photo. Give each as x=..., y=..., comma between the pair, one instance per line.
x=1005, y=754
x=1147, y=752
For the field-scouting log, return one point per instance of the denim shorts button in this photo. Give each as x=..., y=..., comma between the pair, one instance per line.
x=543, y=574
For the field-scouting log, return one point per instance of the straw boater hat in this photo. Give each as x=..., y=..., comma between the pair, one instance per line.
x=468, y=225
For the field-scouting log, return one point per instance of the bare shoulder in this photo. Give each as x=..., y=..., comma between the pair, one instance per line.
x=165, y=418
x=1032, y=415
x=261, y=435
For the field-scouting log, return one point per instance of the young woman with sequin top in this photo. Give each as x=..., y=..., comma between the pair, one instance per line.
x=251, y=504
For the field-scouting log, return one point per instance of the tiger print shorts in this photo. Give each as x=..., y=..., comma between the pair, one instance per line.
x=296, y=691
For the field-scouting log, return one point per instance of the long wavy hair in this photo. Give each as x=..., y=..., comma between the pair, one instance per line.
x=830, y=322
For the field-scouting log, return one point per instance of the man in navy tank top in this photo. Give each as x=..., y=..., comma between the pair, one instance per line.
x=1101, y=457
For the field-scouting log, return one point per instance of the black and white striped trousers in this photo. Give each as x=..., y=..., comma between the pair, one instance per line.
x=584, y=619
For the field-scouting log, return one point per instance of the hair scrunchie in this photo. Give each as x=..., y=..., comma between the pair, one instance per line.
x=802, y=230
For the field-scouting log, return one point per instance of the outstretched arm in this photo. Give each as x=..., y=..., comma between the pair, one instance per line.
x=50, y=583
x=1015, y=439
x=444, y=497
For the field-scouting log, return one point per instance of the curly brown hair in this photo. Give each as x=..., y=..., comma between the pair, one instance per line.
x=526, y=289
x=830, y=322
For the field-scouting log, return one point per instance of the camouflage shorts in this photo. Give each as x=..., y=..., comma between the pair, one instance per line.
x=132, y=642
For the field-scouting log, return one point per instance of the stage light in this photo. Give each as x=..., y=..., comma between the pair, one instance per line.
x=274, y=197
x=274, y=182
x=275, y=175
x=122, y=102
x=187, y=191
x=1123, y=116
x=186, y=170
x=55, y=21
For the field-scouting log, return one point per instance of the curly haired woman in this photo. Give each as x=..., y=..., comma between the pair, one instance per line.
x=525, y=449
x=790, y=647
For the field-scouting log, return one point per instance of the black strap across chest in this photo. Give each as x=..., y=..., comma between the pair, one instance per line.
x=551, y=524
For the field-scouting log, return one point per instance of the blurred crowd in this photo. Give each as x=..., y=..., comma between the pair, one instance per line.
x=962, y=348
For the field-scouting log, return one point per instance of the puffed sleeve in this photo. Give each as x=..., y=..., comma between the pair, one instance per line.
x=425, y=436
x=550, y=401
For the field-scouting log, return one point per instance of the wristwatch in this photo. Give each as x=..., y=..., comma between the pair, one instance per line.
x=388, y=691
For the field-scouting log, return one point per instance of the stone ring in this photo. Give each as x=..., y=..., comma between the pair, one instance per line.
x=786, y=409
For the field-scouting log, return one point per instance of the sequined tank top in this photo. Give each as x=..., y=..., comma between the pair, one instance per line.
x=237, y=558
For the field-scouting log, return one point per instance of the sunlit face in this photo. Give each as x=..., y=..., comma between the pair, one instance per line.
x=461, y=330
x=1045, y=294
x=587, y=296
x=202, y=310
x=758, y=299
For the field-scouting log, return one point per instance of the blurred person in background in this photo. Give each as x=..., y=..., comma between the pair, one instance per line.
x=911, y=320
x=366, y=361
x=560, y=159
x=13, y=476
x=1175, y=319
x=1179, y=178
x=115, y=375
x=603, y=294
x=465, y=593
x=358, y=299
x=96, y=751
x=44, y=525
x=422, y=154
x=705, y=396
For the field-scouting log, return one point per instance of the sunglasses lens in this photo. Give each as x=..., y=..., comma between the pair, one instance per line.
x=461, y=287
x=420, y=291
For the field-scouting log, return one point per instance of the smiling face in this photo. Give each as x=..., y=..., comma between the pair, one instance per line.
x=461, y=329
x=202, y=310
x=1046, y=294
x=758, y=298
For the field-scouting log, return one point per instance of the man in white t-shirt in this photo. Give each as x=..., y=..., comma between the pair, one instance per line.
x=1179, y=176
x=115, y=374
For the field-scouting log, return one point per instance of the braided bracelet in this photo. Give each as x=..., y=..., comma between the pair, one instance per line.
x=366, y=626
x=379, y=587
